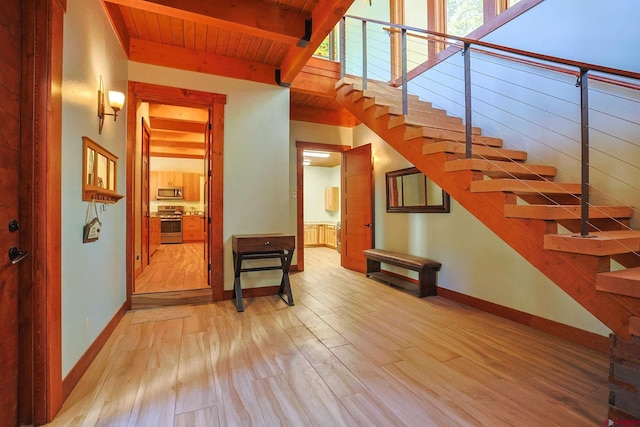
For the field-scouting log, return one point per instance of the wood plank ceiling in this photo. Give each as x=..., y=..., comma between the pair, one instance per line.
x=266, y=41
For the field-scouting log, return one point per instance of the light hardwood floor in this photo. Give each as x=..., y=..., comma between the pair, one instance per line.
x=174, y=267
x=351, y=351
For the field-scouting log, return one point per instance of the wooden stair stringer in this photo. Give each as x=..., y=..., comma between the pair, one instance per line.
x=574, y=273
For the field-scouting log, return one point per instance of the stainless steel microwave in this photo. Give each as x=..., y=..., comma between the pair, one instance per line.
x=169, y=193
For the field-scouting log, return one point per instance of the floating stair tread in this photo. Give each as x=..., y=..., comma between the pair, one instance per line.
x=498, y=168
x=476, y=151
x=525, y=186
x=429, y=120
x=623, y=282
x=396, y=109
x=600, y=243
x=449, y=135
x=559, y=212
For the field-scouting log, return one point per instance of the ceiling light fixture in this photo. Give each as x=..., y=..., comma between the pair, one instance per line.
x=116, y=102
x=315, y=154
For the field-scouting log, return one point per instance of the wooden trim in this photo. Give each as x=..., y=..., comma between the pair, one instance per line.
x=40, y=366
x=147, y=92
x=569, y=333
x=90, y=354
x=171, y=298
x=300, y=147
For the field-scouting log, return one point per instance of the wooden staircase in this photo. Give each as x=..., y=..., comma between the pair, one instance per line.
x=518, y=201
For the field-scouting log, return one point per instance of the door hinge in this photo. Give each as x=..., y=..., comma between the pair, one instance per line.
x=209, y=220
x=209, y=267
x=210, y=127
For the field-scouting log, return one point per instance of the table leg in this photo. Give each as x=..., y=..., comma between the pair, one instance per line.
x=285, y=284
x=237, y=289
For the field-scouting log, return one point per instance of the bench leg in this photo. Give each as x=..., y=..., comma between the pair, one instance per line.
x=427, y=283
x=372, y=266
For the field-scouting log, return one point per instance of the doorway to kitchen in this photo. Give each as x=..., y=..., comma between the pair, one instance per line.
x=318, y=195
x=173, y=248
x=175, y=183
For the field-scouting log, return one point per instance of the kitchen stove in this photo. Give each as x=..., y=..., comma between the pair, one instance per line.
x=170, y=224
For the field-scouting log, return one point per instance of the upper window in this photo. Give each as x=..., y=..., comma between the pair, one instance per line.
x=464, y=16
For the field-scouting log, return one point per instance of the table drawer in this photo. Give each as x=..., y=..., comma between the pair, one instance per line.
x=262, y=243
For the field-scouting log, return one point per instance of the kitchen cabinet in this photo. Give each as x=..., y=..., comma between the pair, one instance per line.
x=311, y=235
x=330, y=236
x=331, y=197
x=320, y=235
x=169, y=179
x=189, y=181
x=191, y=186
x=192, y=228
x=154, y=234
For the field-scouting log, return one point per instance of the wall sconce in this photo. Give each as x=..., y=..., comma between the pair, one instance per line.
x=116, y=101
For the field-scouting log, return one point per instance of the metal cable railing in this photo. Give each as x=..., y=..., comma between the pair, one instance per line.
x=551, y=97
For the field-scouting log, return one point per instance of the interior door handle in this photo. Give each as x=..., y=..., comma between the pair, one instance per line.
x=16, y=254
x=369, y=225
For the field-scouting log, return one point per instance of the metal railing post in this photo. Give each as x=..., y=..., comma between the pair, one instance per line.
x=343, y=47
x=467, y=100
x=583, y=83
x=364, y=55
x=405, y=93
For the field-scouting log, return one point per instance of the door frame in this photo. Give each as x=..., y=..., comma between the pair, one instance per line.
x=40, y=393
x=300, y=147
x=139, y=92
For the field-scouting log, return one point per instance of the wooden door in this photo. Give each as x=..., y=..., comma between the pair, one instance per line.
x=206, y=226
x=10, y=96
x=146, y=253
x=357, y=207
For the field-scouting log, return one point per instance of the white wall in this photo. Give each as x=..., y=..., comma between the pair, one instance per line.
x=256, y=155
x=474, y=261
x=93, y=274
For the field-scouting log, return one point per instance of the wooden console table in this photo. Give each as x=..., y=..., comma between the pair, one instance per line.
x=262, y=246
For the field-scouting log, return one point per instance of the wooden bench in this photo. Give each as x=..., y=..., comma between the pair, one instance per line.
x=426, y=268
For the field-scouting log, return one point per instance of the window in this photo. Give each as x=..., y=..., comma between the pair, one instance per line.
x=464, y=16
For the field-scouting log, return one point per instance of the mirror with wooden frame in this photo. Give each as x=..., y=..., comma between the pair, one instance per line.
x=99, y=168
x=409, y=190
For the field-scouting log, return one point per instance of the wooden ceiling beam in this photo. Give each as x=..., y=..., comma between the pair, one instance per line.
x=117, y=22
x=185, y=137
x=176, y=144
x=173, y=112
x=176, y=154
x=202, y=62
x=254, y=17
x=157, y=123
x=325, y=16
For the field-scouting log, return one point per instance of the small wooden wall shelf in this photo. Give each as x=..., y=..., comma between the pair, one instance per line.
x=99, y=168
